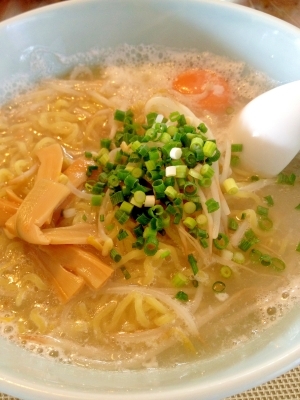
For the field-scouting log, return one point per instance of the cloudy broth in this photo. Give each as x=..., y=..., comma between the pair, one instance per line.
x=134, y=319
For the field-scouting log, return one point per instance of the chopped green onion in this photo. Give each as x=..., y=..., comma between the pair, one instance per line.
x=189, y=222
x=177, y=218
x=143, y=219
x=110, y=227
x=204, y=243
x=90, y=169
x=260, y=210
x=149, y=201
x=209, y=148
x=121, y=216
x=170, y=170
x=176, y=153
x=156, y=211
x=207, y=171
x=126, y=207
x=105, y=143
x=297, y=207
x=119, y=115
x=117, y=197
x=234, y=160
x=170, y=192
x=230, y=186
x=255, y=255
x=269, y=200
x=125, y=272
x=88, y=154
x=201, y=219
x=181, y=171
x=238, y=257
x=174, y=116
x=232, y=224
x=248, y=240
x=158, y=186
x=96, y=200
x=212, y=205
x=196, y=143
x=151, y=245
x=182, y=296
x=221, y=242
x=165, y=253
x=122, y=235
x=115, y=256
x=265, y=223
x=226, y=271
x=139, y=244
x=189, y=207
x=286, y=179
x=277, y=264
x=137, y=172
x=130, y=181
x=190, y=189
x=235, y=148
x=193, y=263
x=265, y=259
x=179, y=280
x=194, y=174
x=138, y=230
x=139, y=196
x=113, y=181
x=202, y=127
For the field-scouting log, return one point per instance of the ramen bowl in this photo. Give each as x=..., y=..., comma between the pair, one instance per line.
x=48, y=42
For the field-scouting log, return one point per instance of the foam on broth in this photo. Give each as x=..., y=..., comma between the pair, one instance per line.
x=256, y=300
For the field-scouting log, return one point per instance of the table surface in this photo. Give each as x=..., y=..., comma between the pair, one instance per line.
x=287, y=386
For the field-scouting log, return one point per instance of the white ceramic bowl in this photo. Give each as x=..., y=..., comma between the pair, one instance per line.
x=32, y=46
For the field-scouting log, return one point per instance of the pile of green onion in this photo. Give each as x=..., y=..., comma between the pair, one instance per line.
x=155, y=176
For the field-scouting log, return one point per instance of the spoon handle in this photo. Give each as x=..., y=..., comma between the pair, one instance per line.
x=269, y=129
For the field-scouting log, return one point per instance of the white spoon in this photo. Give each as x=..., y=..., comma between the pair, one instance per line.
x=269, y=129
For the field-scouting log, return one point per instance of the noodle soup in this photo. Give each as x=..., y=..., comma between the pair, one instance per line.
x=130, y=237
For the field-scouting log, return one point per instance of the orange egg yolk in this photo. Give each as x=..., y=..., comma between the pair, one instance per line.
x=213, y=88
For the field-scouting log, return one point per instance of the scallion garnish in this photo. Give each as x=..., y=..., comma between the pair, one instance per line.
x=232, y=224
x=125, y=272
x=88, y=154
x=226, y=271
x=270, y=201
x=151, y=245
x=286, y=179
x=179, y=280
x=221, y=242
x=248, y=240
x=263, y=211
x=115, y=256
x=193, y=263
x=265, y=223
x=96, y=200
x=122, y=235
x=212, y=205
x=182, y=296
x=236, y=148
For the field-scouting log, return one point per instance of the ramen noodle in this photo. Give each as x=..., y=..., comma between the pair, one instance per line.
x=130, y=237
